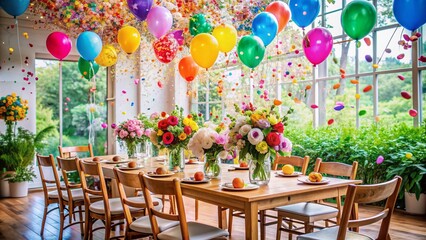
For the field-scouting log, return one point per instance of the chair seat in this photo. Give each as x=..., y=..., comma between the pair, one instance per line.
x=77, y=195
x=308, y=209
x=117, y=208
x=331, y=234
x=53, y=194
x=143, y=224
x=197, y=231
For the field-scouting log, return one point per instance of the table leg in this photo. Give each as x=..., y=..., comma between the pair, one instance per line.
x=251, y=211
x=221, y=216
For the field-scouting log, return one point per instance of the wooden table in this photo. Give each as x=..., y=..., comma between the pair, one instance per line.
x=280, y=191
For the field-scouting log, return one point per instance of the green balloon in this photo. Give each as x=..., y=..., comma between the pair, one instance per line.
x=86, y=69
x=251, y=50
x=199, y=24
x=358, y=18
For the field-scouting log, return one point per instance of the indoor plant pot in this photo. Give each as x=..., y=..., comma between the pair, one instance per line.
x=414, y=205
x=18, y=184
x=18, y=189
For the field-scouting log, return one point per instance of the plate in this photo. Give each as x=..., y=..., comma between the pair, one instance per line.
x=112, y=162
x=294, y=174
x=160, y=158
x=306, y=181
x=153, y=174
x=247, y=187
x=124, y=168
x=237, y=167
x=195, y=161
x=192, y=181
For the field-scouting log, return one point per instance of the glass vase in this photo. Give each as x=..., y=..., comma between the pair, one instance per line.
x=211, y=166
x=176, y=159
x=260, y=170
x=154, y=151
x=130, y=147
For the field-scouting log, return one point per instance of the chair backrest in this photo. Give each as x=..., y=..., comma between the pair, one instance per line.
x=369, y=194
x=66, y=152
x=293, y=160
x=48, y=162
x=93, y=169
x=68, y=165
x=164, y=187
x=336, y=168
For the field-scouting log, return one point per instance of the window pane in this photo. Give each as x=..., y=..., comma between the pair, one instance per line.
x=333, y=6
x=424, y=96
x=340, y=103
x=385, y=13
x=422, y=45
x=202, y=109
x=389, y=60
x=202, y=90
x=343, y=56
x=393, y=109
x=296, y=97
x=333, y=23
x=366, y=102
x=216, y=112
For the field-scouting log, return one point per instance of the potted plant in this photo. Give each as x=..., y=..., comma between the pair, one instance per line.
x=4, y=183
x=19, y=182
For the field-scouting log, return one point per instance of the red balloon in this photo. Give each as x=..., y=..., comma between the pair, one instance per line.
x=188, y=69
x=165, y=48
x=281, y=12
x=59, y=45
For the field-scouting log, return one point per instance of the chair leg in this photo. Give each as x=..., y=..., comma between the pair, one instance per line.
x=88, y=224
x=61, y=222
x=230, y=219
x=309, y=227
x=279, y=223
x=196, y=209
x=290, y=226
x=80, y=216
x=44, y=219
x=262, y=224
x=70, y=212
x=107, y=229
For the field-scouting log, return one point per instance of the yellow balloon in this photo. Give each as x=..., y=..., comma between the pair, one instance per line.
x=204, y=50
x=129, y=39
x=107, y=57
x=226, y=36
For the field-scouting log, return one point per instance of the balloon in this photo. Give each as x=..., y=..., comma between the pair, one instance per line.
x=89, y=45
x=86, y=69
x=159, y=21
x=14, y=7
x=59, y=45
x=304, y=12
x=178, y=35
x=199, y=24
x=139, y=8
x=188, y=69
x=265, y=26
x=165, y=48
x=107, y=57
x=317, y=45
x=204, y=50
x=251, y=50
x=410, y=13
x=281, y=12
x=129, y=39
x=358, y=18
x=226, y=36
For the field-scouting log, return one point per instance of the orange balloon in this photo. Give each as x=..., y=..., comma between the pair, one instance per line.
x=281, y=12
x=188, y=69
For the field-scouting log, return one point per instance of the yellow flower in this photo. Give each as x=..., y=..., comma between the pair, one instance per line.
x=193, y=125
x=272, y=119
x=182, y=136
x=408, y=155
x=13, y=94
x=255, y=117
x=262, y=147
x=186, y=121
x=160, y=132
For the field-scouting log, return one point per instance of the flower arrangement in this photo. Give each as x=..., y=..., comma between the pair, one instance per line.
x=211, y=141
x=258, y=132
x=132, y=132
x=13, y=108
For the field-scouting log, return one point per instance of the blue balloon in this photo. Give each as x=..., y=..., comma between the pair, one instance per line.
x=89, y=45
x=410, y=13
x=304, y=12
x=265, y=26
x=15, y=7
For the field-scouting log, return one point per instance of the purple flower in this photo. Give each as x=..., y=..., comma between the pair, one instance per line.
x=263, y=123
x=285, y=144
x=221, y=139
x=380, y=159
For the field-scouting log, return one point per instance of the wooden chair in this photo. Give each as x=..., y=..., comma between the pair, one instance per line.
x=362, y=194
x=309, y=212
x=67, y=152
x=136, y=227
x=107, y=210
x=296, y=161
x=185, y=230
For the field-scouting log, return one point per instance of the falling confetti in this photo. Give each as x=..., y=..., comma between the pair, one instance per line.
x=405, y=95
x=401, y=77
x=362, y=112
x=330, y=121
x=367, y=88
x=412, y=112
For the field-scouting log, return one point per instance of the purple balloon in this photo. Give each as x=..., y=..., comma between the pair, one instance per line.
x=178, y=35
x=339, y=107
x=317, y=45
x=380, y=159
x=140, y=8
x=159, y=21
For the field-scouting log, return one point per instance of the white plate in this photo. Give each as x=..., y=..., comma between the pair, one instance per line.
x=192, y=181
x=125, y=168
x=247, y=187
x=195, y=161
x=153, y=174
x=294, y=174
x=112, y=162
x=159, y=158
x=306, y=181
x=237, y=167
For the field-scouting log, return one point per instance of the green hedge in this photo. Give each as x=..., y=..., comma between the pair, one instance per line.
x=348, y=144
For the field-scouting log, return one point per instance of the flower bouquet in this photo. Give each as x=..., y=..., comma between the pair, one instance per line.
x=173, y=133
x=12, y=109
x=130, y=133
x=210, y=142
x=258, y=133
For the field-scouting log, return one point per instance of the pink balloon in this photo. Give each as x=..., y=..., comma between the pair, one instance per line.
x=159, y=21
x=59, y=45
x=317, y=45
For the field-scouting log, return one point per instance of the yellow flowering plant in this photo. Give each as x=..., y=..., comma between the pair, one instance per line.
x=13, y=108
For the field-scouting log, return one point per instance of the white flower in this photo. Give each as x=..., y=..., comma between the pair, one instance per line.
x=255, y=136
x=244, y=130
x=240, y=144
x=198, y=152
x=223, y=155
x=207, y=142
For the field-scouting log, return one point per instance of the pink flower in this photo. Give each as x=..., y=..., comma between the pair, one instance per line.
x=238, y=136
x=380, y=159
x=123, y=134
x=147, y=132
x=221, y=139
x=172, y=120
x=132, y=134
x=113, y=126
x=138, y=132
x=154, y=116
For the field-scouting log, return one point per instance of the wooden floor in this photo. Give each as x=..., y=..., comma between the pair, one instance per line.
x=20, y=218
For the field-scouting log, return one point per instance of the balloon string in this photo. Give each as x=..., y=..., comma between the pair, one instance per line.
x=92, y=105
x=19, y=44
x=387, y=45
